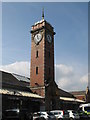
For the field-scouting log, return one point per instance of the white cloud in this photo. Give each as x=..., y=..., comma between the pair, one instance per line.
x=65, y=76
x=63, y=69
x=68, y=79
x=84, y=79
x=21, y=68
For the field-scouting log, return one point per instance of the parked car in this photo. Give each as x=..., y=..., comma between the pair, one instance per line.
x=83, y=115
x=51, y=116
x=73, y=115
x=43, y=116
x=16, y=114
x=85, y=108
x=37, y=116
x=61, y=114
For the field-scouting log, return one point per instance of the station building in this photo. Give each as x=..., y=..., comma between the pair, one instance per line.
x=16, y=93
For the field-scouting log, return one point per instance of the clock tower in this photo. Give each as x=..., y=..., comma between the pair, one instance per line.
x=42, y=62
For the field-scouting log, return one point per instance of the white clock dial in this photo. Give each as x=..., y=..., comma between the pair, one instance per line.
x=49, y=38
x=38, y=38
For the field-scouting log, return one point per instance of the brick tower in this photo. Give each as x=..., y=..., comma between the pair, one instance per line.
x=42, y=61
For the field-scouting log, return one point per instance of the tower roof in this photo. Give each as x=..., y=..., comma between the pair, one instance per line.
x=42, y=24
x=42, y=20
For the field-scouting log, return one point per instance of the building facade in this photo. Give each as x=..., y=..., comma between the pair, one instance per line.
x=81, y=95
x=16, y=93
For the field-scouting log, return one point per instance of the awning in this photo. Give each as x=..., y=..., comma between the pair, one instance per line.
x=19, y=93
x=71, y=99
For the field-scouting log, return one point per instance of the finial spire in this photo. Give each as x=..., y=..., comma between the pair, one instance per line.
x=43, y=14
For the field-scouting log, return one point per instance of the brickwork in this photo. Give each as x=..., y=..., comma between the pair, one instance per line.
x=45, y=59
x=81, y=97
x=43, y=82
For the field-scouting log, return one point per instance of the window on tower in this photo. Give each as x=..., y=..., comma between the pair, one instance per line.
x=36, y=70
x=37, y=54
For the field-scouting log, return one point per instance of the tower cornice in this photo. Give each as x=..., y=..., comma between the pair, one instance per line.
x=43, y=24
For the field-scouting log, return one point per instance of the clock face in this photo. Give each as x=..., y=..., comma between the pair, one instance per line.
x=37, y=38
x=49, y=38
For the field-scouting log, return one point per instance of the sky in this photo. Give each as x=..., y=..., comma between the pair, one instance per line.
x=70, y=22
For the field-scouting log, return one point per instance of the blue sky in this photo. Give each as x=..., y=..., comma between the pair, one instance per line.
x=70, y=22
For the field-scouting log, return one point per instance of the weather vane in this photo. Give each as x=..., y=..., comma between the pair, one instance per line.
x=43, y=14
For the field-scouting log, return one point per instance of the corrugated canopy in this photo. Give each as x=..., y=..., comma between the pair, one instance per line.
x=71, y=99
x=19, y=93
x=21, y=78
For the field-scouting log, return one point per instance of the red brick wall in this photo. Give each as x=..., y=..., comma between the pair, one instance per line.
x=82, y=97
x=49, y=61
x=37, y=62
x=44, y=63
